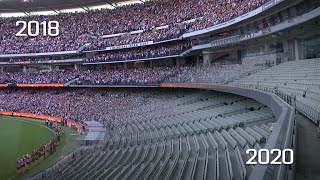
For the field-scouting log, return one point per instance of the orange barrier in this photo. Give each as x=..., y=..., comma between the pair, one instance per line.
x=37, y=116
x=40, y=85
x=3, y=85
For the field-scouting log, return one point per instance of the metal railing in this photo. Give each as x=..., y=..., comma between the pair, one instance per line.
x=311, y=112
x=284, y=171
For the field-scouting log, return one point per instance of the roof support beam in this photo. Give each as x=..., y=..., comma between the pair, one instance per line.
x=109, y=2
x=113, y=5
x=84, y=8
x=25, y=12
x=55, y=10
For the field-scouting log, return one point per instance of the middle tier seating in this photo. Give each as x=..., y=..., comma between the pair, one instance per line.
x=300, y=79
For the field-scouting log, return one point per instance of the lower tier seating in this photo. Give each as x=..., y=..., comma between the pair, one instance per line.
x=198, y=138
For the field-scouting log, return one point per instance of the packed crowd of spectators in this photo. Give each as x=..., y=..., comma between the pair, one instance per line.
x=131, y=76
x=71, y=35
x=219, y=72
x=156, y=51
x=27, y=160
x=266, y=22
x=109, y=106
x=76, y=29
x=51, y=77
x=169, y=33
x=21, y=60
x=203, y=14
x=213, y=73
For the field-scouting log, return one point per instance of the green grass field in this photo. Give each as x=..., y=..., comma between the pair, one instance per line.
x=22, y=135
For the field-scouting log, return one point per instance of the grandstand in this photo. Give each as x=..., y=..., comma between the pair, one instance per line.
x=185, y=89
x=193, y=137
x=296, y=78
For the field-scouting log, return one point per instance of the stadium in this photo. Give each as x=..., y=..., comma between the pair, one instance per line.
x=160, y=89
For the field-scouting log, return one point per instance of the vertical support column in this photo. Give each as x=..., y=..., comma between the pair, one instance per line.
x=180, y=61
x=25, y=69
x=285, y=44
x=296, y=50
x=107, y=66
x=289, y=50
x=151, y=64
x=125, y=65
x=51, y=68
x=207, y=57
x=239, y=56
x=177, y=62
x=198, y=60
x=1, y=69
x=266, y=48
x=76, y=67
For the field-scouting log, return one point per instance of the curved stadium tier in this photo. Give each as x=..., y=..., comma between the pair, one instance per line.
x=180, y=89
x=203, y=136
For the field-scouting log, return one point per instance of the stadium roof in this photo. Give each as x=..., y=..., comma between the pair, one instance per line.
x=27, y=6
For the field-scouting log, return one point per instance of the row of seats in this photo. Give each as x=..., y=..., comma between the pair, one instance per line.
x=177, y=127
x=211, y=107
x=192, y=119
x=300, y=79
x=187, y=157
x=187, y=145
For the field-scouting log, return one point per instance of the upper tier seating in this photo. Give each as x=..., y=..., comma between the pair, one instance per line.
x=171, y=17
x=148, y=52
